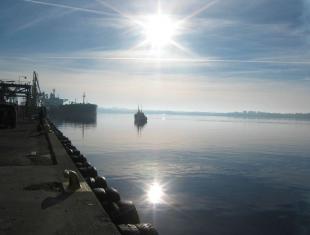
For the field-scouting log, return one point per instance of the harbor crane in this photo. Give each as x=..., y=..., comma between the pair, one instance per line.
x=11, y=91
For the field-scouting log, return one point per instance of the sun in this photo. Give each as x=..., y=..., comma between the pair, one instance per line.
x=159, y=30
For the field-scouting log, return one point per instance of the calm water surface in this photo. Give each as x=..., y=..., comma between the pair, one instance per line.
x=219, y=175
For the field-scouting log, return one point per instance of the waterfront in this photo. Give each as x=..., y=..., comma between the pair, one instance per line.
x=219, y=175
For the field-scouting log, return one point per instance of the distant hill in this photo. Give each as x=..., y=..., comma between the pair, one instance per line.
x=244, y=114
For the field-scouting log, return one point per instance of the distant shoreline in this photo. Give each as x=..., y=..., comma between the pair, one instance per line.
x=244, y=114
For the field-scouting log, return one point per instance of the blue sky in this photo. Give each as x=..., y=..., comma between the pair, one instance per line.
x=230, y=55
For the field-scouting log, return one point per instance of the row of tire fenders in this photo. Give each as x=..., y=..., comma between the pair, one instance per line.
x=122, y=213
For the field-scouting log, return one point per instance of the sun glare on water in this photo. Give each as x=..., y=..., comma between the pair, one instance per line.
x=155, y=193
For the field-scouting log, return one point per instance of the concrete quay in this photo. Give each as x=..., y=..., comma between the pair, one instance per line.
x=34, y=198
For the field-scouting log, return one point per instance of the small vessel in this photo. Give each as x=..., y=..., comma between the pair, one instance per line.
x=140, y=118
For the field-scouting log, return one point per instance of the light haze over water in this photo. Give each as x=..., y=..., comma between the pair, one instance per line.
x=219, y=175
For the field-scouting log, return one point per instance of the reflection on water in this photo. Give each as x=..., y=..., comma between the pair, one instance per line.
x=76, y=120
x=76, y=123
x=155, y=193
x=139, y=127
x=215, y=175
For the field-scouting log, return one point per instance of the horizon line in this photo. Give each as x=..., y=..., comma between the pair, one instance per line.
x=202, y=112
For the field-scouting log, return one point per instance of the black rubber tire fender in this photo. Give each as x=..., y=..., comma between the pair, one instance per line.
x=90, y=181
x=146, y=229
x=88, y=171
x=100, y=194
x=101, y=182
x=128, y=229
x=113, y=194
x=127, y=213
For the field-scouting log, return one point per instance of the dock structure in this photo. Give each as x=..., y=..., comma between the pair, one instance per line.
x=35, y=195
x=47, y=185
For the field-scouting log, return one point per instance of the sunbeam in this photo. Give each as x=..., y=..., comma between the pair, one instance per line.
x=198, y=11
x=69, y=7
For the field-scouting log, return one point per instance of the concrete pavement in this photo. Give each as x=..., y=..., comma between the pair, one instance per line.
x=33, y=196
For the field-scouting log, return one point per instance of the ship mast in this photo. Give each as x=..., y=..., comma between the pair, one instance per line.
x=84, y=98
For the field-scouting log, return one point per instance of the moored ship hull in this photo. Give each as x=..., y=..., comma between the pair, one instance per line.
x=74, y=112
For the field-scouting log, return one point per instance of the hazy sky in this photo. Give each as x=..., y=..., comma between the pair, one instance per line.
x=224, y=55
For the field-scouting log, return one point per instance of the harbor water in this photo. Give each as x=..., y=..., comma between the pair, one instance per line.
x=214, y=175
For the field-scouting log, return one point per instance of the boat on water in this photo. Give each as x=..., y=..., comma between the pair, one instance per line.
x=140, y=118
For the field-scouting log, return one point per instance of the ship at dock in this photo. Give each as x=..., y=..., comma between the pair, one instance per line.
x=58, y=109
